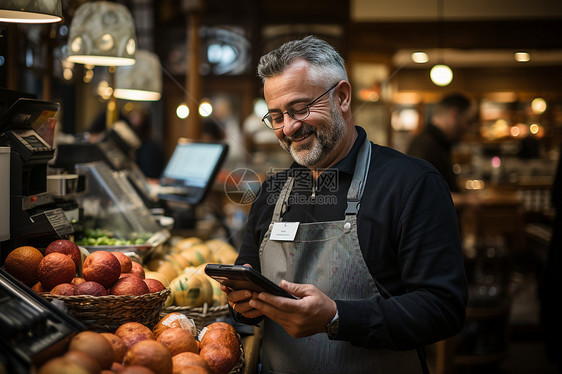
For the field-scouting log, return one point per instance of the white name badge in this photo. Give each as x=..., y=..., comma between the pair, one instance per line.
x=284, y=231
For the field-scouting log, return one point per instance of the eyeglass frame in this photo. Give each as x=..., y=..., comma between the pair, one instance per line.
x=288, y=111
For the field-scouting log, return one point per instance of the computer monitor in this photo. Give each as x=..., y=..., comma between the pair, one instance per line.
x=190, y=172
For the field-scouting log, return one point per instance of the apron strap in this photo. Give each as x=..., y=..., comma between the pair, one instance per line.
x=282, y=201
x=359, y=180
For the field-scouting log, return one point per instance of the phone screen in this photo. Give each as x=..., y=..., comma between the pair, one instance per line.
x=239, y=277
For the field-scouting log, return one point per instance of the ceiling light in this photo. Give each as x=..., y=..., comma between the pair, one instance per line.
x=441, y=75
x=102, y=33
x=538, y=105
x=141, y=81
x=420, y=57
x=205, y=109
x=534, y=128
x=522, y=57
x=35, y=11
x=182, y=111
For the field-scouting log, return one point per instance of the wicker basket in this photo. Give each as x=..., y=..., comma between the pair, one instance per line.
x=202, y=316
x=107, y=313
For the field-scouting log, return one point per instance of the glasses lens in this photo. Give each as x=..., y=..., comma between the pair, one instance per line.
x=298, y=113
x=273, y=121
x=268, y=121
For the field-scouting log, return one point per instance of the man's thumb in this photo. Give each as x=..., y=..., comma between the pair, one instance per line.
x=295, y=289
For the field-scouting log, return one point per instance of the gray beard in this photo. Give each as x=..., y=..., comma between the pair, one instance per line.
x=327, y=140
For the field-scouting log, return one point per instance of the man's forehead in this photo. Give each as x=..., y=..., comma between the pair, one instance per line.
x=286, y=92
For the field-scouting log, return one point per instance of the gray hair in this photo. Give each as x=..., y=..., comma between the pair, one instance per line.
x=327, y=66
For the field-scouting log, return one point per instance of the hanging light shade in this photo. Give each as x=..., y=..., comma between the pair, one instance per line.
x=141, y=81
x=102, y=33
x=441, y=75
x=31, y=11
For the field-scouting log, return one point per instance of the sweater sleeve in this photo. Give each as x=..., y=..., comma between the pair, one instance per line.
x=426, y=243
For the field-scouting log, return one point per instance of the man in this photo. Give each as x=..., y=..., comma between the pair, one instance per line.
x=363, y=235
x=450, y=120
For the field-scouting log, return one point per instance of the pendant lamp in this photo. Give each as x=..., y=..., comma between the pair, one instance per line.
x=141, y=81
x=440, y=74
x=31, y=11
x=102, y=33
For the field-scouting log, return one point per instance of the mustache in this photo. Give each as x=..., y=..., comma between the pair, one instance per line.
x=305, y=130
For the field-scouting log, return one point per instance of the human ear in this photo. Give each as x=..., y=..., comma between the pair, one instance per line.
x=343, y=96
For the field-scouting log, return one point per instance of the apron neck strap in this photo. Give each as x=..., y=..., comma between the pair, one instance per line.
x=282, y=201
x=359, y=180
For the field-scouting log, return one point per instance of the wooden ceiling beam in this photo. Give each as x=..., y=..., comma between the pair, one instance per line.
x=392, y=36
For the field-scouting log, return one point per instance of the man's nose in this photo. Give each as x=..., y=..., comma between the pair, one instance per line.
x=290, y=125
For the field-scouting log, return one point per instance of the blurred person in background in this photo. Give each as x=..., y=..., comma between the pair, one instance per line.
x=450, y=120
x=150, y=155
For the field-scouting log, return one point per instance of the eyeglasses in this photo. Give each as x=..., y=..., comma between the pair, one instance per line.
x=275, y=120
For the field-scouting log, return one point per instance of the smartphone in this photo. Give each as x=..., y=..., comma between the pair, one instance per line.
x=239, y=277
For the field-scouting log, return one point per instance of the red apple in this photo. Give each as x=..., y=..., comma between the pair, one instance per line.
x=137, y=269
x=154, y=285
x=124, y=260
x=64, y=289
x=65, y=247
x=91, y=288
x=129, y=286
x=125, y=275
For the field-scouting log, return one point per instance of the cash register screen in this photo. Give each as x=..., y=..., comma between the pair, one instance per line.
x=193, y=164
x=33, y=141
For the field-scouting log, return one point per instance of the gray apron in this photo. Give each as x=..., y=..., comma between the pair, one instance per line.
x=327, y=255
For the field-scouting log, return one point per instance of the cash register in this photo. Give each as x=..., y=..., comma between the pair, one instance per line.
x=32, y=330
x=114, y=149
x=34, y=220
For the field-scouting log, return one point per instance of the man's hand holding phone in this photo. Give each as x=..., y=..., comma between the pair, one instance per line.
x=301, y=309
x=239, y=300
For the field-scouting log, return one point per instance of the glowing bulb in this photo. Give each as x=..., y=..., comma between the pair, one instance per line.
x=205, y=109
x=538, y=105
x=534, y=129
x=515, y=131
x=441, y=75
x=420, y=57
x=522, y=57
x=182, y=111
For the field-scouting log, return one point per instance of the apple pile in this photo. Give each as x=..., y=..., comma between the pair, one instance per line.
x=102, y=273
x=171, y=347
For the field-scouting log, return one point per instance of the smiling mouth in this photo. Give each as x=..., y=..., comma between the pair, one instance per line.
x=300, y=138
x=300, y=135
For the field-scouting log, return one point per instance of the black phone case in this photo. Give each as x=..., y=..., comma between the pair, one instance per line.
x=239, y=277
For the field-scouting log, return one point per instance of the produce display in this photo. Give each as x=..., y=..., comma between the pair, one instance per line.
x=94, y=237
x=173, y=346
x=60, y=271
x=183, y=268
